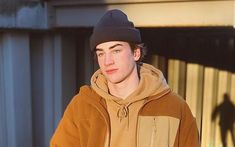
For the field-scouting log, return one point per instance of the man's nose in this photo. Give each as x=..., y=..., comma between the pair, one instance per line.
x=108, y=60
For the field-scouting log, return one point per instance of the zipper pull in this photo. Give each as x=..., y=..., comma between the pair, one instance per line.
x=154, y=132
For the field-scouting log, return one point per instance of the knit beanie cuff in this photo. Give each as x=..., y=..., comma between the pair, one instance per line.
x=114, y=26
x=114, y=34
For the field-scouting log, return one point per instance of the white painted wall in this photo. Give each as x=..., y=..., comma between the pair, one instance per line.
x=149, y=13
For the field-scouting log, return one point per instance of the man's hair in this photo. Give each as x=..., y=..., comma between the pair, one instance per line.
x=143, y=50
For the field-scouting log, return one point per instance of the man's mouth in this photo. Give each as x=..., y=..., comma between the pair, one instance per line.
x=111, y=71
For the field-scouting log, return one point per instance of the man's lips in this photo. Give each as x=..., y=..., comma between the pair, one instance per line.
x=111, y=71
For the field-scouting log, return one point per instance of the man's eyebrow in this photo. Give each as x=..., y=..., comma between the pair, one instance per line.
x=115, y=45
x=111, y=47
x=98, y=49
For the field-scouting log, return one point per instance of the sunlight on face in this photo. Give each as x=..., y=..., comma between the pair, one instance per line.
x=116, y=60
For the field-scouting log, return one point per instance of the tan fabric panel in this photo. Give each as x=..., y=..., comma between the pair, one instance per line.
x=156, y=131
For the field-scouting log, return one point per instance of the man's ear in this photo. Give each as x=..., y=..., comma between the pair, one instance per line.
x=137, y=54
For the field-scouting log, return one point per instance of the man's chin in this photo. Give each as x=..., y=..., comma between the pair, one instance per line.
x=115, y=81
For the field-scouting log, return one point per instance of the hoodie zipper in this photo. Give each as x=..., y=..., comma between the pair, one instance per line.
x=154, y=132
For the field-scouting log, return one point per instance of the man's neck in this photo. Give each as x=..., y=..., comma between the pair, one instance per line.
x=125, y=88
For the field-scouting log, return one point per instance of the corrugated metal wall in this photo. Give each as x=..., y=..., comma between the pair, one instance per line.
x=203, y=88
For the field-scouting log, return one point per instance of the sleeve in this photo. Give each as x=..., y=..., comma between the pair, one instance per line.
x=188, y=133
x=66, y=134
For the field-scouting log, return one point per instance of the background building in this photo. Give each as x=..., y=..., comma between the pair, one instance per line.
x=45, y=58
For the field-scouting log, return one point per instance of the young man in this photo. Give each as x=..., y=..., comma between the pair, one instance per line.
x=128, y=104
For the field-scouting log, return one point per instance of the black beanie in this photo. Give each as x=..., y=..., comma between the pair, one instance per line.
x=114, y=26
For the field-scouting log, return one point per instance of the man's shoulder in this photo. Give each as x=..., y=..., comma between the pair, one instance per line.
x=177, y=101
x=84, y=103
x=170, y=104
x=86, y=94
x=172, y=97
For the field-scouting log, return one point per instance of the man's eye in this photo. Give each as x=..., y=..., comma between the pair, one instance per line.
x=116, y=51
x=100, y=54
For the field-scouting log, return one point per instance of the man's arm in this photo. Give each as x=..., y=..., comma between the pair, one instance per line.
x=66, y=134
x=188, y=133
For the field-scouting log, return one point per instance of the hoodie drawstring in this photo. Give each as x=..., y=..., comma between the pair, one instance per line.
x=123, y=112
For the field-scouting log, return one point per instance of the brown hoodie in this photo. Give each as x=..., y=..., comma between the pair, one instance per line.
x=164, y=120
x=124, y=112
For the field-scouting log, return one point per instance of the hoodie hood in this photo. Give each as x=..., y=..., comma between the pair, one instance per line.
x=152, y=82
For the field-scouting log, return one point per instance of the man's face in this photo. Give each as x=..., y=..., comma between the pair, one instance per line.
x=116, y=60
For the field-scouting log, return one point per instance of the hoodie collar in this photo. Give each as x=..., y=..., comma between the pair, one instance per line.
x=152, y=82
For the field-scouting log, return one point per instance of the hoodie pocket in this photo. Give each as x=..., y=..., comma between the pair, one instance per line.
x=156, y=131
